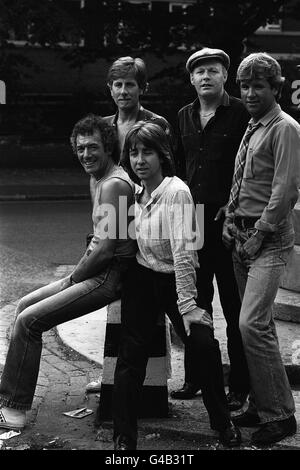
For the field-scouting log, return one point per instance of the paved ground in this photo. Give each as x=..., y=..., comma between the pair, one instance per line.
x=86, y=334
x=64, y=374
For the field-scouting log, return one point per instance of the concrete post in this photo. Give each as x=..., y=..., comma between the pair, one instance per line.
x=154, y=397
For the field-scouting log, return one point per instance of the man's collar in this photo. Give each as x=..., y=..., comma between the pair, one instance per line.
x=269, y=116
x=224, y=101
x=139, y=116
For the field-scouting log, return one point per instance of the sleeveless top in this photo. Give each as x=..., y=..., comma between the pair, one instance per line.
x=104, y=218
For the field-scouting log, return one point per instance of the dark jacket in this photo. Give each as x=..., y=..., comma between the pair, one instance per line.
x=205, y=157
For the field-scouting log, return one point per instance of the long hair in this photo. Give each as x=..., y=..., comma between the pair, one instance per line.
x=152, y=136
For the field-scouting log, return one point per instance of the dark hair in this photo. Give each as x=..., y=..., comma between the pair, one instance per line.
x=152, y=136
x=261, y=65
x=128, y=65
x=91, y=124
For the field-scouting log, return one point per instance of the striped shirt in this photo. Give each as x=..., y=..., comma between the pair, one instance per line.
x=168, y=236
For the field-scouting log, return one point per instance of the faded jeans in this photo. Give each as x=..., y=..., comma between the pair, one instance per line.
x=258, y=282
x=40, y=311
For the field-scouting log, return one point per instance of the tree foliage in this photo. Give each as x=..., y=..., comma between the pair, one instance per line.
x=115, y=24
x=111, y=28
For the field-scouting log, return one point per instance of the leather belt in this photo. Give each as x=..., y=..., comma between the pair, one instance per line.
x=245, y=222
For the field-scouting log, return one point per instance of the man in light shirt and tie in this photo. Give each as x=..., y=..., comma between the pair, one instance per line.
x=258, y=224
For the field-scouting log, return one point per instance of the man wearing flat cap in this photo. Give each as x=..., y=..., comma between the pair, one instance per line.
x=211, y=129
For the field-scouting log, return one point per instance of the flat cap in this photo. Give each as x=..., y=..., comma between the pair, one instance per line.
x=207, y=53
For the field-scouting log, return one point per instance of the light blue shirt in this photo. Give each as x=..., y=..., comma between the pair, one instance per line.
x=271, y=179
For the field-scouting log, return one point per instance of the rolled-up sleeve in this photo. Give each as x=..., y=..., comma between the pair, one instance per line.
x=184, y=236
x=286, y=179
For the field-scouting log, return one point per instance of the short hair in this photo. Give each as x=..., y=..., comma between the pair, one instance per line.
x=152, y=136
x=128, y=65
x=261, y=65
x=91, y=124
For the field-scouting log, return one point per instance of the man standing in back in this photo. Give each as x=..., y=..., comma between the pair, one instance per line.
x=211, y=129
x=127, y=82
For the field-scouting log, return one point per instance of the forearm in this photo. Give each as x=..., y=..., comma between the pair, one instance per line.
x=184, y=239
x=286, y=179
x=277, y=210
x=185, y=278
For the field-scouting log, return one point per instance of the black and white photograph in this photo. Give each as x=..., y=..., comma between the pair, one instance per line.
x=150, y=228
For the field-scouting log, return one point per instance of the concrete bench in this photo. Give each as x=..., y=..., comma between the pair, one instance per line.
x=154, y=397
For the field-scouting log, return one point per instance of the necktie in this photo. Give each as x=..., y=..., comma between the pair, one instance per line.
x=239, y=167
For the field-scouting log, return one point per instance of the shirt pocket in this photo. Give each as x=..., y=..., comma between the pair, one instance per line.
x=262, y=165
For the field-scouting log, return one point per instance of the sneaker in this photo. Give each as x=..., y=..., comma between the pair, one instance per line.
x=275, y=431
x=93, y=387
x=186, y=392
x=236, y=400
x=11, y=418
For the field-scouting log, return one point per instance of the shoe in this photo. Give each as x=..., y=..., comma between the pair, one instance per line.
x=236, y=400
x=93, y=387
x=122, y=443
x=185, y=393
x=9, y=421
x=275, y=431
x=230, y=436
x=246, y=420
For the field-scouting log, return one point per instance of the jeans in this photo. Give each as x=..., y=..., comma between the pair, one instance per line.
x=258, y=281
x=216, y=260
x=40, y=311
x=145, y=293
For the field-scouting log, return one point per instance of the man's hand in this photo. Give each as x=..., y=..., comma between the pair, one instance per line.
x=66, y=282
x=251, y=246
x=227, y=233
x=220, y=213
x=197, y=315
